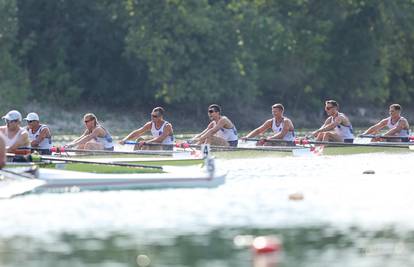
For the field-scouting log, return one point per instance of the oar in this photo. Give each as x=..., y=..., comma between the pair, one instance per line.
x=389, y=145
x=227, y=148
x=230, y=148
x=266, y=140
x=29, y=173
x=13, y=183
x=35, y=158
x=149, y=144
x=137, y=152
x=385, y=137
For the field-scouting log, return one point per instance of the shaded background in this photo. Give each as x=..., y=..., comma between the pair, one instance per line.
x=245, y=55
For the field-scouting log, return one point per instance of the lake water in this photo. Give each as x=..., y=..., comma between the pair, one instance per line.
x=346, y=218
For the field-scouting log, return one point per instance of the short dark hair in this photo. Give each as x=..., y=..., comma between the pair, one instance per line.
x=160, y=110
x=396, y=106
x=332, y=102
x=215, y=107
x=279, y=106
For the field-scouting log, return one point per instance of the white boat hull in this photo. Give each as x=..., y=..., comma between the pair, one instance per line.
x=78, y=181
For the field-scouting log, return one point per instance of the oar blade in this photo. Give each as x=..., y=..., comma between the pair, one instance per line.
x=14, y=184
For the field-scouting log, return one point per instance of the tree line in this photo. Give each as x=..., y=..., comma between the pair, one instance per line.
x=189, y=53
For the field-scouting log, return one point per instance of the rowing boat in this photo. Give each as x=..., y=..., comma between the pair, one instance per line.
x=122, y=177
x=63, y=180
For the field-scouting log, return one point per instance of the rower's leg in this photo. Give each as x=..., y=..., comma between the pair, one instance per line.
x=94, y=146
x=217, y=141
x=320, y=136
x=332, y=137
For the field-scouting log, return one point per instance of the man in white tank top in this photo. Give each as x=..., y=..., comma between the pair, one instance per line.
x=14, y=136
x=39, y=134
x=281, y=126
x=220, y=131
x=161, y=131
x=397, y=126
x=337, y=127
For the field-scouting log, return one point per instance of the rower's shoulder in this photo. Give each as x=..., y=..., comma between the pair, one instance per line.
x=404, y=119
x=287, y=119
x=227, y=121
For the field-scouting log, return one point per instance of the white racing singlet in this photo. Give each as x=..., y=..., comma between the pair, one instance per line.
x=46, y=142
x=169, y=140
x=344, y=131
x=106, y=140
x=11, y=141
x=289, y=136
x=228, y=134
x=403, y=132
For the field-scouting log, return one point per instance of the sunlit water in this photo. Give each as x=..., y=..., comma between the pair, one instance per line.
x=346, y=218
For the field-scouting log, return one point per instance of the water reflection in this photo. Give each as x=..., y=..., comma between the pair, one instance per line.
x=312, y=246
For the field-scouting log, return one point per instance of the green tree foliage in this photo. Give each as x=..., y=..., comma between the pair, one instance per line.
x=191, y=53
x=13, y=81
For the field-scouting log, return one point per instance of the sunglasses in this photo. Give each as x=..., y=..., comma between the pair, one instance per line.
x=154, y=116
x=211, y=111
x=329, y=108
x=10, y=121
x=30, y=121
x=86, y=121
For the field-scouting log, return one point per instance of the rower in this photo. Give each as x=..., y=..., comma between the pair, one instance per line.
x=397, y=126
x=161, y=131
x=282, y=127
x=95, y=137
x=220, y=131
x=337, y=127
x=2, y=151
x=15, y=137
x=39, y=134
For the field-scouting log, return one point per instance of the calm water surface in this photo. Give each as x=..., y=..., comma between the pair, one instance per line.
x=346, y=218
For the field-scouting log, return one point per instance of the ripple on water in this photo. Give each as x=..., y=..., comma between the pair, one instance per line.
x=256, y=194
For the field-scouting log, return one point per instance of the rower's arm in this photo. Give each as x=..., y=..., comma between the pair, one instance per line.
x=198, y=136
x=376, y=128
x=327, y=126
x=2, y=153
x=214, y=129
x=261, y=129
x=95, y=133
x=22, y=141
x=167, y=132
x=138, y=132
x=80, y=137
x=45, y=132
x=403, y=124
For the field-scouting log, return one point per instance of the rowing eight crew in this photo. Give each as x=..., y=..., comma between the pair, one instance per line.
x=220, y=131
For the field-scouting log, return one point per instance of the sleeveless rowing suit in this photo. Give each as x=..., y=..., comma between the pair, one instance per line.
x=230, y=135
x=106, y=140
x=169, y=140
x=11, y=141
x=46, y=144
x=403, y=133
x=289, y=136
x=344, y=131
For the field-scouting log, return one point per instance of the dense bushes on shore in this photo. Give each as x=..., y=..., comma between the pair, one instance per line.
x=186, y=54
